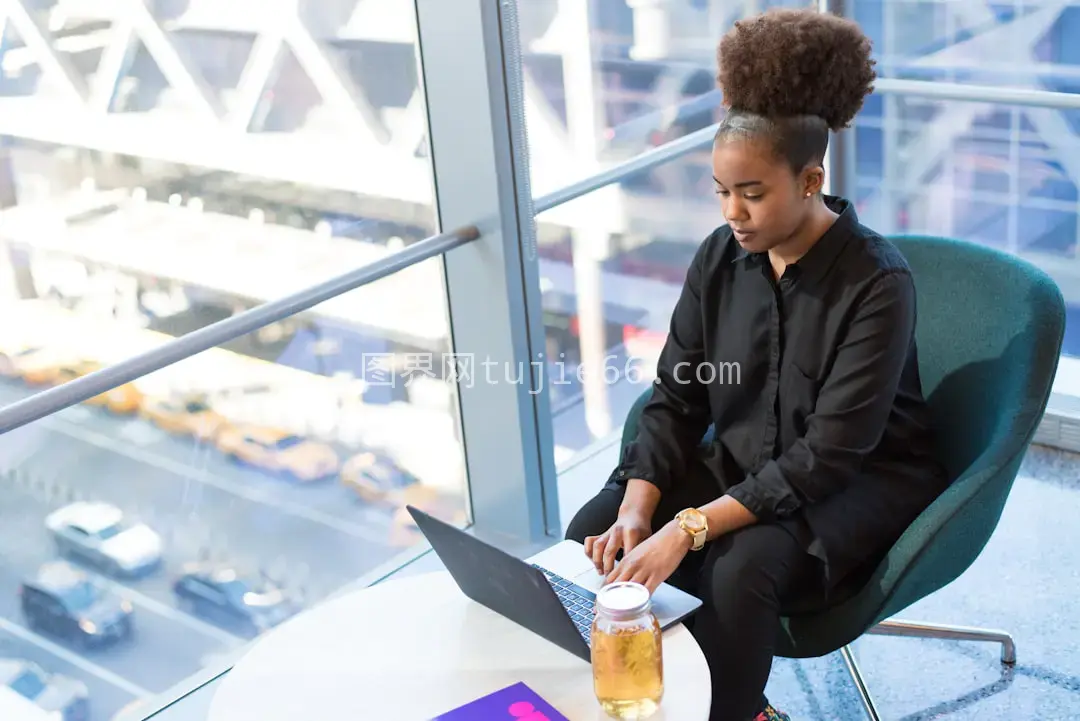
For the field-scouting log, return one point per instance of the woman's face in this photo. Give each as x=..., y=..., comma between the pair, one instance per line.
x=762, y=200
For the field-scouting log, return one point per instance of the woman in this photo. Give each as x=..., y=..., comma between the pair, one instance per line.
x=794, y=337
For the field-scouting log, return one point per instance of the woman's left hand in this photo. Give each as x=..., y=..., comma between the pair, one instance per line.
x=653, y=560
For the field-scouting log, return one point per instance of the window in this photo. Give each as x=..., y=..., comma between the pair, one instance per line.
x=224, y=170
x=110, y=531
x=80, y=596
x=28, y=684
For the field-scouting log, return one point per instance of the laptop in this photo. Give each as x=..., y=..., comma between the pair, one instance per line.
x=556, y=608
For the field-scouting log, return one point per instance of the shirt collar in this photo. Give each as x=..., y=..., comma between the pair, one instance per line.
x=817, y=261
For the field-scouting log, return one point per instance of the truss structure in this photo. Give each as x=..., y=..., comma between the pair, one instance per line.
x=70, y=70
x=72, y=67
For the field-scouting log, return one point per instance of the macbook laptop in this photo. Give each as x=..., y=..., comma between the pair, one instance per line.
x=556, y=608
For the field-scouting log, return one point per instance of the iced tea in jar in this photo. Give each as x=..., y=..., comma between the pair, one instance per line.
x=627, y=654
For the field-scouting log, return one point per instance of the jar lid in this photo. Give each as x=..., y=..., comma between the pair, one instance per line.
x=623, y=599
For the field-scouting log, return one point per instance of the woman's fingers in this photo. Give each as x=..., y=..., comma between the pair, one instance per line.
x=597, y=554
x=631, y=537
x=615, y=542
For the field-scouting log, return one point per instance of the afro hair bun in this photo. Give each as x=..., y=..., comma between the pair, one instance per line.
x=785, y=63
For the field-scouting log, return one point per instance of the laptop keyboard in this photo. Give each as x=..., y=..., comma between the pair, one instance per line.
x=578, y=602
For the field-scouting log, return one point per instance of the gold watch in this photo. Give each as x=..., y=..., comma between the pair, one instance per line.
x=696, y=524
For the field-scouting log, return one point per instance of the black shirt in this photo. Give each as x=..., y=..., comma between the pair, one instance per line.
x=812, y=386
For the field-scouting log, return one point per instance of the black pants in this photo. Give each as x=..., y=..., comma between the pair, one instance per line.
x=742, y=579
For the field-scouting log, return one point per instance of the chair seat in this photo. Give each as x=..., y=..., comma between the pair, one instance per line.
x=815, y=603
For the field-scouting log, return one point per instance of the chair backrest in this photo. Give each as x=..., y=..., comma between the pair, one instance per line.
x=989, y=334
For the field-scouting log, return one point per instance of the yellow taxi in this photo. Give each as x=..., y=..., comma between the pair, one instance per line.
x=123, y=399
x=278, y=451
x=42, y=366
x=186, y=415
x=46, y=369
x=375, y=477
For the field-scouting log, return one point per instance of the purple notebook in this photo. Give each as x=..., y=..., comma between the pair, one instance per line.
x=513, y=703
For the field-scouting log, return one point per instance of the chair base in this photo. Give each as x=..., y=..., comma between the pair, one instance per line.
x=923, y=630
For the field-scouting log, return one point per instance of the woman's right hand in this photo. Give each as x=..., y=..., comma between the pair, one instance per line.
x=630, y=528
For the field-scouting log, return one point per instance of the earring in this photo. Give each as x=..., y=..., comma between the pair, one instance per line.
x=808, y=195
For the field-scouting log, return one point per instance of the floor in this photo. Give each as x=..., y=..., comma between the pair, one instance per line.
x=1027, y=581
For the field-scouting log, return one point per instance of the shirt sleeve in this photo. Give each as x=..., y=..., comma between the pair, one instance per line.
x=852, y=408
x=675, y=418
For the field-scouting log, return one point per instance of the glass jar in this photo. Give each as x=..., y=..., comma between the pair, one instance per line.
x=627, y=653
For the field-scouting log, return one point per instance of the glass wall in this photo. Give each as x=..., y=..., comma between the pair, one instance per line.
x=642, y=73
x=147, y=533
x=166, y=170
x=614, y=260
x=162, y=173
x=1015, y=44
x=998, y=174
x=608, y=80
x=983, y=172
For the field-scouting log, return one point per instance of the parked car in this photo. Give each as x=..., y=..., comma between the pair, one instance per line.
x=65, y=602
x=65, y=699
x=47, y=368
x=376, y=478
x=14, y=359
x=279, y=451
x=245, y=604
x=98, y=534
x=186, y=415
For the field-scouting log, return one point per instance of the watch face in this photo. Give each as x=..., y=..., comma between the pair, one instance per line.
x=694, y=521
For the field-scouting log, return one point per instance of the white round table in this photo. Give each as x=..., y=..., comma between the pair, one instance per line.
x=412, y=649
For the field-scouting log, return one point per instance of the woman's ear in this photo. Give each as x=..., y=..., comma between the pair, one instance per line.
x=813, y=180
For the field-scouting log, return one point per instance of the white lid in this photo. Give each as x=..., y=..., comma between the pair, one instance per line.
x=624, y=597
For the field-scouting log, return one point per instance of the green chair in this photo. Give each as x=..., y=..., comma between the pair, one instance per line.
x=989, y=333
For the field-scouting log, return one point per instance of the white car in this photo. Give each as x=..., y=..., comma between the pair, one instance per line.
x=28, y=692
x=97, y=533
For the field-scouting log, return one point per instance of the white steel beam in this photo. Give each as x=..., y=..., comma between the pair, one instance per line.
x=332, y=81
x=177, y=69
x=339, y=162
x=115, y=61
x=36, y=36
x=262, y=66
x=411, y=125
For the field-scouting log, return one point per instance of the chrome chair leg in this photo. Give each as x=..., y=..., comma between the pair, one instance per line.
x=961, y=633
x=860, y=684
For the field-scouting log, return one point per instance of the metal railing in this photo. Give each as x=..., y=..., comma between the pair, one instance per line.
x=932, y=90
x=81, y=389
x=699, y=139
x=638, y=164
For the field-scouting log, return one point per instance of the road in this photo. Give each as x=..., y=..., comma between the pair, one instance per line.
x=314, y=538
